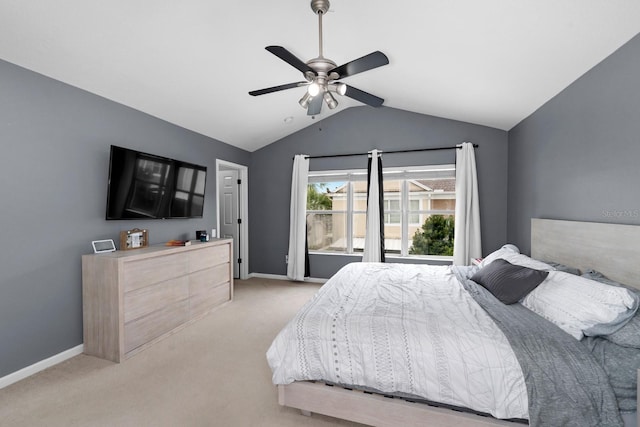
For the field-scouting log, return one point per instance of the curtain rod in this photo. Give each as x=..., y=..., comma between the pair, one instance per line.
x=388, y=152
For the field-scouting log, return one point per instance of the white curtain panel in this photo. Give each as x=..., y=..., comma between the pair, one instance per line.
x=372, y=251
x=298, y=218
x=467, y=241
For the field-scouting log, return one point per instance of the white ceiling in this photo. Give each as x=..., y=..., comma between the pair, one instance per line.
x=192, y=62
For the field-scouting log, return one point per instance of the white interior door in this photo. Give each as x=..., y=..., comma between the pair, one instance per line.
x=228, y=192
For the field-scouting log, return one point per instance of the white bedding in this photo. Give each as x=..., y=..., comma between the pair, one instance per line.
x=580, y=306
x=402, y=328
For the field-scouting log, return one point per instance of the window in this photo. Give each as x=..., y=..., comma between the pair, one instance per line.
x=419, y=206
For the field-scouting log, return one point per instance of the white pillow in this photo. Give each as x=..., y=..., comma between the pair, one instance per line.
x=576, y=304
x=512, y=254
x=508, y=248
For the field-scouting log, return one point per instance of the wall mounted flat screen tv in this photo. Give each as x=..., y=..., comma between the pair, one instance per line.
x=145, y=186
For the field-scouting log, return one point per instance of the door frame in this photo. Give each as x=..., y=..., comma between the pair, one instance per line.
x=244, y=211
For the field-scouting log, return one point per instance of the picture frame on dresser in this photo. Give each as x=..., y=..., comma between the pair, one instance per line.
x=134, y=239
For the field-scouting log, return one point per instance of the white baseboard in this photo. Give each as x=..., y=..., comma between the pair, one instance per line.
x=280, y=277
x=40, y=366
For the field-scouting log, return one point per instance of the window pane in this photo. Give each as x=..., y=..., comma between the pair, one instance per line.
x=327, y=231
x=432, y=194
x=359, y=230
x=322, y=196
x=392, y=197
x=360, y=196
x=393, y=238
x=434, y=237
x=443, y=202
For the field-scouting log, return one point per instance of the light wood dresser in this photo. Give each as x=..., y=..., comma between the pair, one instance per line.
x=132, y=299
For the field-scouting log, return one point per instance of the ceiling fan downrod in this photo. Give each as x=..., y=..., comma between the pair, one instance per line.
x=319, y=79
x=320, y=7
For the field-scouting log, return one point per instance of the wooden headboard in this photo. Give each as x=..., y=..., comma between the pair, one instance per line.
x=612, y=249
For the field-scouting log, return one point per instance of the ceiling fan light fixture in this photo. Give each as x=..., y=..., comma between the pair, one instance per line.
x=341, y=88
x=330, y=100
x=313, y=89
x=304, y=101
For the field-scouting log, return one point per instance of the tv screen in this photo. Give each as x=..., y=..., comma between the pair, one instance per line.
x=144, y=186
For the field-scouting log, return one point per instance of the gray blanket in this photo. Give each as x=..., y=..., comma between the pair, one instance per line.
x=620, y=364
x=566, y=386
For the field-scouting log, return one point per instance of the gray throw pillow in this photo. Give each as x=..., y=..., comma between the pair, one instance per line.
x=507, y=282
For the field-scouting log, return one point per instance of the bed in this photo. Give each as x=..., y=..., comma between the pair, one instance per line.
x=607, y=248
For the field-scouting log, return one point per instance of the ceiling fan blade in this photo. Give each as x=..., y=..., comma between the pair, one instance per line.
x=367, y=62
x=290, y=59
x=315, y=106
x=362, y=96
x=277, y=88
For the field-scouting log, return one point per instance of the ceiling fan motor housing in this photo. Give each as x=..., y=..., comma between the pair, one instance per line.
x=320, y=6
x=321, y=65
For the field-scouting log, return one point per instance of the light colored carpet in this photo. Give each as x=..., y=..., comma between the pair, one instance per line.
x=212, y=373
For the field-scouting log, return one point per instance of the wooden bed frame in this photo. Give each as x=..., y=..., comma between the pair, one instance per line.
x=611, y=249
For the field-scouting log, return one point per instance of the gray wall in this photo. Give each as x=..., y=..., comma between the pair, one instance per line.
x=578, y=156
x=358, y=130
x=55, y=154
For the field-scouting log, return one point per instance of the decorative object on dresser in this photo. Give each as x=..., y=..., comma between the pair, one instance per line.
x=100, y=246
x=132, y=299
x=134, y=239
x=178, y=243
x=202, y=235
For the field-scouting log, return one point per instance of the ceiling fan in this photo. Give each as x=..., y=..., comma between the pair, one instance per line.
x=322, y=75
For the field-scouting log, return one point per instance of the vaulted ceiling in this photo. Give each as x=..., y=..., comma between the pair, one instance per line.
x=193, y=62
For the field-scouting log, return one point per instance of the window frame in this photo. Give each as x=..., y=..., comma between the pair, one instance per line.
x=402, y=174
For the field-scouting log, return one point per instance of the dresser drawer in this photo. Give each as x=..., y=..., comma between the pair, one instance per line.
x=144, y=329
x=202, y=280
x=208, y=257
x=140, y=273
x=140, y=302
x=209, y=298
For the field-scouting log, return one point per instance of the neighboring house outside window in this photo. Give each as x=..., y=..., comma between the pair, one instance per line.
x=414, y=198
